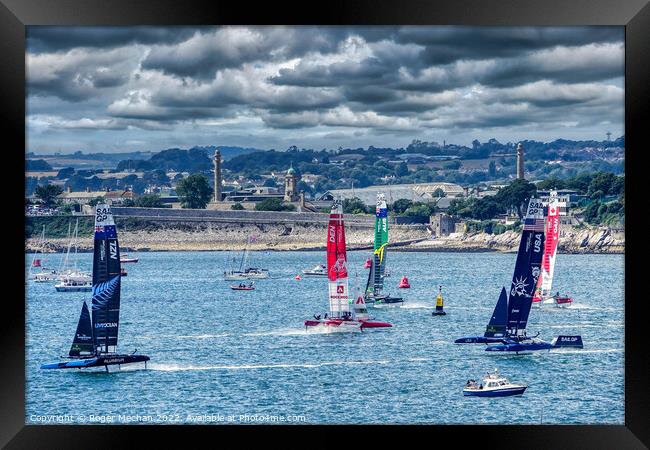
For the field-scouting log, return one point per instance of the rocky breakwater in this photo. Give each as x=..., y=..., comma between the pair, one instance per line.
x=572, y=240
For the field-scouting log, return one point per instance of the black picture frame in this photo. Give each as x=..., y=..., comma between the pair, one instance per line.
x=15, y=15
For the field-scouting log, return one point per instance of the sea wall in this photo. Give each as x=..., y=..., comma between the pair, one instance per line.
x=296, y=231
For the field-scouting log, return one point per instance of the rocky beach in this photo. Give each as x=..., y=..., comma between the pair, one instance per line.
x=210, y=236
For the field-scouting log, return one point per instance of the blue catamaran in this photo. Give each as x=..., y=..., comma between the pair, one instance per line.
x=507, y=326
x=95, y=341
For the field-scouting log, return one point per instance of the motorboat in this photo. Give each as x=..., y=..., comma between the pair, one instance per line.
x=73, y=285
x=242, y=287
x=44, y=277
x=318, y=271
x=493, y=385
x=125, y=258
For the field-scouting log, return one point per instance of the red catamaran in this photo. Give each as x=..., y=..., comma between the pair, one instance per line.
x=342, y=316
x=544, y=282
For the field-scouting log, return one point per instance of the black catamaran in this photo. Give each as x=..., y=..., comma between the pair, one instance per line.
x=95, y=341
x=507, y=326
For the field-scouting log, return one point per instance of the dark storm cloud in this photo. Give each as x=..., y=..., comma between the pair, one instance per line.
x=447, y=44
x=42, y=39
x=363, y=80
x=230, y=47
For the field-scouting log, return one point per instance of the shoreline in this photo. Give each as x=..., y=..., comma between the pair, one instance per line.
x=311, y=237
x=323, y=248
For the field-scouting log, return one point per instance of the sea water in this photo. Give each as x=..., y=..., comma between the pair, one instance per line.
x=224, y=356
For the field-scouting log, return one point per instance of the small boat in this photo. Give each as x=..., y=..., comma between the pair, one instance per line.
x=404, y=283
x=242, y=287
x=342, y=318
x=374, y=295
x=44, y=277
x=73, y=285
x=494, y=385
x=95, y=341
x=126, y=259
x=318, y=271
x=552, y=237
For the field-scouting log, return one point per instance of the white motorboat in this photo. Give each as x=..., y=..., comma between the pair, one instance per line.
x=493, y=385
x=318, y=271
x=72, y=285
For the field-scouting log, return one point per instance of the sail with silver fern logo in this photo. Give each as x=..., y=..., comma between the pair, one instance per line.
x=373, y=295
x=95, y=341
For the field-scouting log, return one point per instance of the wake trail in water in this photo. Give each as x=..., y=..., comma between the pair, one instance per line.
x=179, y=368
x=280, y=332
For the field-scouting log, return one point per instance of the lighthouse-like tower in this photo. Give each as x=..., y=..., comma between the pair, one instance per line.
x=291, y=193
x=217, y=176
x=520, y=161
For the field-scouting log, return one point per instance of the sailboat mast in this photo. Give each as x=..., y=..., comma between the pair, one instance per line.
x=64, y=263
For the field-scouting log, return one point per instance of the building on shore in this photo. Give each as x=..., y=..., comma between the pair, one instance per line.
x=418, y=192
x=442, y=224
x=83, y=197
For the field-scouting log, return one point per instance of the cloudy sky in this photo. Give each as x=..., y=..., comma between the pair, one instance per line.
x=149, y=88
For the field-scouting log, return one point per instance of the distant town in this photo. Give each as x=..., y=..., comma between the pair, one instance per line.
x=450, y=187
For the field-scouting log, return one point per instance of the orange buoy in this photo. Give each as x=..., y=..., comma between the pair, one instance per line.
x=404, y=283
x=298, y=277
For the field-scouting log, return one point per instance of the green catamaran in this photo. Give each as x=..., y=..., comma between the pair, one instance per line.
x=374, y=294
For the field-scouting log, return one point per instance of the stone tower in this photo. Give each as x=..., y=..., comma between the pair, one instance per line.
x=217, y=176
x=520, y=161
x=291, y=193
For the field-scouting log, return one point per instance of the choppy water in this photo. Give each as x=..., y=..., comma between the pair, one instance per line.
x=219, y=354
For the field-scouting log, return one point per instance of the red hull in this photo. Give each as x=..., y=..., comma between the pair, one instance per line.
x=563, y=300
x=337, y=322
